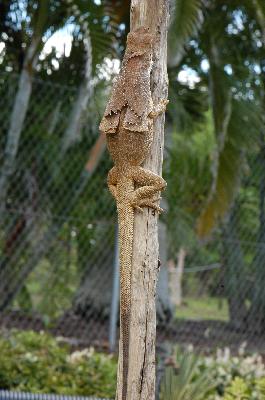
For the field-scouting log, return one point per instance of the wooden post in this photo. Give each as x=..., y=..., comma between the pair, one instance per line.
x=145, y=265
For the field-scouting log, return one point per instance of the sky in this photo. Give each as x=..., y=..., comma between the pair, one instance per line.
x=61, y=40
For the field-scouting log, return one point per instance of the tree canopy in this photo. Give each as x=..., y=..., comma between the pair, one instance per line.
x=214, y=161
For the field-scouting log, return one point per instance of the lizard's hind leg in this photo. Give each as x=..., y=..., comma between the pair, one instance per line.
x=151, y=184
x=112, y=181
x=148, y=203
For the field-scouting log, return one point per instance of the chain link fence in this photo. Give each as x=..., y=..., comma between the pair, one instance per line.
x=58, y=246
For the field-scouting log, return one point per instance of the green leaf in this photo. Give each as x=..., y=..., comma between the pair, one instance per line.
x=238, y=390
x=187, y=18
x=244, y=125
x=185, y=381
x=38, y=363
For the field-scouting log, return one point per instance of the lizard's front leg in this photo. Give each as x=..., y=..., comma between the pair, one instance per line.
x=151, y=184
x=158, y=109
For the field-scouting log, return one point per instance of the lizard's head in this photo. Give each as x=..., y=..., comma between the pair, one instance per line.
x=140, y=39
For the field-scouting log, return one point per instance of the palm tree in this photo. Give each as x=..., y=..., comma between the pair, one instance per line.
x=223, y=43
x=101, y=40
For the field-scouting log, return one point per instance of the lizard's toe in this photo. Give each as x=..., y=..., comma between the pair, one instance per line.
x=147, y=203
x=163, y=104
x=137, y=207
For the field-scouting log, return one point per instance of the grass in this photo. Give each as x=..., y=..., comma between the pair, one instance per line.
x=203, y=308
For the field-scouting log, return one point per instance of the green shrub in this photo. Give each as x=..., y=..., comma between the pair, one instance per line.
x=185, y=380
x=220, y=377
x=241, y=390
x=226, y=368
x=39, y=363
x=238, y=390
x=261, y=387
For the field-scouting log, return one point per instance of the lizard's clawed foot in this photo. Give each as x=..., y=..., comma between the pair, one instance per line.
x=159, y=109
x=147, y=203
x=164, y=103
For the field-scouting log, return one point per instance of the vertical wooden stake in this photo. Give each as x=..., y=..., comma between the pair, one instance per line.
x=141, y=379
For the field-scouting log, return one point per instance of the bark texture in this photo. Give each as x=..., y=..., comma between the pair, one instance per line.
x=141, y=378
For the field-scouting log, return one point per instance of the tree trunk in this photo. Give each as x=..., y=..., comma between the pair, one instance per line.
x=256, y=317
x=72, y=133
x=164, y=309
x=16, y=125
x=233, y=260
x=176, y=273
x=54, y=118
x=95, y=264
x=21, y=104
x=93, y=297
x=141, y=376
x=260, y=18
x=12, y=282
x=14, y=274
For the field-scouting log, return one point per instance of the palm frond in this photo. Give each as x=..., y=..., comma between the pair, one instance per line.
x=187, y=105
x=102, y=27
x=187, y=171
x=260, y=6
x=186, y=381
x=244, y=125
x=186, y=20
x=221, y=101
x=227, y=156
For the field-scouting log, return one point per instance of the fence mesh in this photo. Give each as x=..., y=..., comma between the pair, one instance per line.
x=57, y=242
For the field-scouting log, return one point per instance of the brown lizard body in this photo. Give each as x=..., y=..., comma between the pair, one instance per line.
x=128, y=124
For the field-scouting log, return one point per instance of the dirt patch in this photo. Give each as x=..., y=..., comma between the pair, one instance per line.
x=206, y=335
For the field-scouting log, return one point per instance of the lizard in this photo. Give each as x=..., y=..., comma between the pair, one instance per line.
x=128, y=125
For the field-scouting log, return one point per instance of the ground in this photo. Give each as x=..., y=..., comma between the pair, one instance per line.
x=202, y=322
x=203, y=308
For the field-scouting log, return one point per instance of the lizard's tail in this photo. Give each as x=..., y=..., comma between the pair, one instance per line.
x=126, y=221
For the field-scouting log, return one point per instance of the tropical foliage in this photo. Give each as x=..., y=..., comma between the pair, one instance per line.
x=38, y=363
x=223, y=376
x=214, y=161
x=184, y=380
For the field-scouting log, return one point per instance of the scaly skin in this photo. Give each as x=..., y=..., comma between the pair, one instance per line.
x=128, y=125
x=122, y=179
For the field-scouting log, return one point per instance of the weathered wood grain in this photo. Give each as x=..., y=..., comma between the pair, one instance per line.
x=141, y=379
